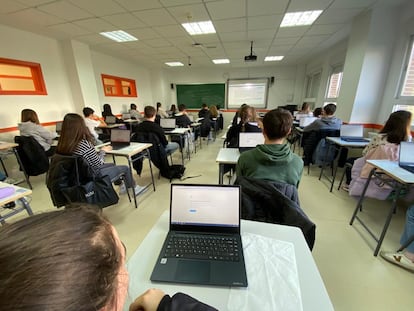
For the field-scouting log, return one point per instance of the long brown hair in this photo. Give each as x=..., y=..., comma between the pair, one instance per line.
x=61, y=260
x=213, y=111
x=29, y=115
x=396, y=126
x=247, y=114
x=73, y=131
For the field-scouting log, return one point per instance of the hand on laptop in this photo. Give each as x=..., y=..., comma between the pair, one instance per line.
x=148, y=301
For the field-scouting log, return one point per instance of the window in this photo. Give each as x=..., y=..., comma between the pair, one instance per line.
x=407, y=75
x=409, y=108
x=312, y=87
x=21, y=78
x=334, y=84
x=116, y=86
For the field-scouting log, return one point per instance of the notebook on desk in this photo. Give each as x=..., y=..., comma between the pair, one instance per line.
x=168, y=124
x=353, y=133
x=248, y=141
x=203, y=245
x=406, y=159
x=120, y=139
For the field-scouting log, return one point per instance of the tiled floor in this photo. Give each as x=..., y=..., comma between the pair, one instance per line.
x=354, y=278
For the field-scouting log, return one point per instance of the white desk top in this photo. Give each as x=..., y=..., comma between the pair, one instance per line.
x=6, y=145
x=19, y=193
x=313, y=292
x=131, y=121
x=110, y=126
x=131, y=150
x=179, y=130
x=195, y=124
x=343, y=143
x=393, y=170
x=228, y=155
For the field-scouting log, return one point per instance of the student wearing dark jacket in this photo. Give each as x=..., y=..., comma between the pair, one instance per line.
x=247, y=118
x=182, y=119
x=72, y=259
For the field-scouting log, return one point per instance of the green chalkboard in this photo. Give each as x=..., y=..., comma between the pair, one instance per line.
x=193, y=95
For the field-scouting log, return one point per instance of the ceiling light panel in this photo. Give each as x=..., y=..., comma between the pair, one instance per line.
x=273, y=58
x=221, y=61
x=300, y=18
x=199, y=28
x=174, y=64
x=119, y=36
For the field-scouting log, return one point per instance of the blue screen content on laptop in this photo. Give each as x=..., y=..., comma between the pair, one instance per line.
x=205, y=205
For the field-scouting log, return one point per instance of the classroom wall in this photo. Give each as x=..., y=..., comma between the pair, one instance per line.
x=22, y=45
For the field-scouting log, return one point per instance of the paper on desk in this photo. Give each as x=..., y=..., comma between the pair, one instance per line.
x=273, y=282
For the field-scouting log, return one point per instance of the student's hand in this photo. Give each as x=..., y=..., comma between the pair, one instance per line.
x=106, y=148
x=148, y=301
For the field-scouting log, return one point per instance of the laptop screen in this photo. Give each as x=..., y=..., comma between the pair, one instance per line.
x=126, y=116
x=352, y=130
x=120, y=136
x=110, y=119
x=205, y=205
x=306, y=120
x=167, y=123
x=406, y=153
x=250, y=139
x=59, y=126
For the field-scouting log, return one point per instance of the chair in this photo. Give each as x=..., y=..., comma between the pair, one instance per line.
x=65, y=171
x=33, y=158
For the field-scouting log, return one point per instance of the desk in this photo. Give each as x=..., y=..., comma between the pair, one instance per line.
x=226, y=156
x=5, y=147
x=129, y=152
x=19, y=195
x=339, y=145
x=181, y=131
x=313, y=292
x=401, y=178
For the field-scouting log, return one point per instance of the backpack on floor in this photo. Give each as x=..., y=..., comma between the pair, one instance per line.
x=175, y=171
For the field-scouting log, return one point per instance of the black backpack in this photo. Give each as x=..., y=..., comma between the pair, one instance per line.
x=175, y=171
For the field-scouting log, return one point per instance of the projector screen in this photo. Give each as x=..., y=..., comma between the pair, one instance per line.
x=252, y=92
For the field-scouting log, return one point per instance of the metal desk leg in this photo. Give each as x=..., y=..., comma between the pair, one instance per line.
x=22, y=167
x=335, y=169
x=150, y=165
x=132, y=179
x=4, y=167
x=221, y=173
x=388, y=220
x=361, y=198
x=26, y=206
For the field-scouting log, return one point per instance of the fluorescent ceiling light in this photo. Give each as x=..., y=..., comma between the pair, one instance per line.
x=273, y=58
x=221, y=61
x=300, y=18
x=119, y=36
x=174, y=64
x=199, y=28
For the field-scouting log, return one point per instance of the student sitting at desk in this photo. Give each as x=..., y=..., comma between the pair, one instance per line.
x=247, y=117
x=172, y=111
x=182, y=119
x=72, y=259
x=204, y=111
x=75, y=139
x=384, y=146
x=274, y=160
x=404, y=259
x=161, y=112
x=133, y=111
x=327, y=122
x=317, y=112
x=236, y=118
x=30, y=126
x=92, y=121
x=305, y=109
x=149, y=126
x=107, y=112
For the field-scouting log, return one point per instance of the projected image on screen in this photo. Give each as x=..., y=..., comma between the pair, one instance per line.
x=252, y=92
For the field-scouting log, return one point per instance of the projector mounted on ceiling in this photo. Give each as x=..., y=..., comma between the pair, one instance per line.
x=251, y=57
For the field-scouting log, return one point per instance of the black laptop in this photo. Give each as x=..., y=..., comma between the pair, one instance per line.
x=353, y=133
x=406, y=160
x=120, y=139
x=168, y=124
x=203, y=245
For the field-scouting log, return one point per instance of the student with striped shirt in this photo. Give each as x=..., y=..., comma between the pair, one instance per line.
x=75, y=139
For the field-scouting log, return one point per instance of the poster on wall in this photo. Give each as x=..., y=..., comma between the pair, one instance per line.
x=252, y=92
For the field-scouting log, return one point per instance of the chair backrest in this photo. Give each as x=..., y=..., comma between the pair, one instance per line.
x=32, y=155
x=311, y=139
x=66, y=171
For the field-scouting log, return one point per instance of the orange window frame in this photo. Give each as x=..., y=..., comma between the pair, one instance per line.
x=36, y=77
x=116, y=89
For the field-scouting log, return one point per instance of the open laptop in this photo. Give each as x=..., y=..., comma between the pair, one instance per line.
x=306, y=120
x=248, y=140
x=120, y=139
x=406, y=160
x=126, y=116
x=201, y=215
x=353, y=133
x=59, y=127
x=110, y=120
x=167, y=124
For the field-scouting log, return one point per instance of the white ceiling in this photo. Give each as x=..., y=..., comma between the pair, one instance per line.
x=157, y=25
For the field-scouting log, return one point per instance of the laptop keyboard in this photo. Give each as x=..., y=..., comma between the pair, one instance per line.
x=203, y=247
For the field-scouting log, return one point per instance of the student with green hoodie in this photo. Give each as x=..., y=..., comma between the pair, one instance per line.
x=274, y=160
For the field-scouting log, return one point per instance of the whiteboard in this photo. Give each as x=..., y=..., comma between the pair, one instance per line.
x=252, y=92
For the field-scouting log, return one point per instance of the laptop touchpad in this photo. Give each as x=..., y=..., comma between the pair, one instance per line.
x=196, y=271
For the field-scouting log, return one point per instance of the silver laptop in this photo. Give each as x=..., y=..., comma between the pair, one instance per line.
x=167, y=124
x=203, y=245
x=352, y=133
x=110, y=119
x=248, y=140
x=59, y=126
x=306, y=120
x=120, y=138
x=126, y=116
x=406, y=159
